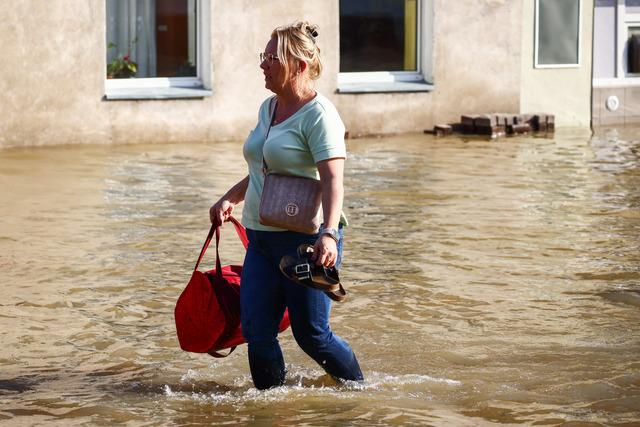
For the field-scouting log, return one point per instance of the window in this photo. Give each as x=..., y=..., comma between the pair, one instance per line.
x=378, y=35
x=383, y=44
x=629, y=39
x=616, y=43
x=631, y=48
x=155, y=49
x=557, y=33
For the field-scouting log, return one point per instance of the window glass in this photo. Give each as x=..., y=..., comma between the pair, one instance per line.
x=633, y=50
x=558, y=32
x=151, y=38
x=378, y=35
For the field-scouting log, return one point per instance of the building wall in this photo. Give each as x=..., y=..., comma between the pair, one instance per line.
x=611, y=81
x=52, y=78
x=627, y=111
x=565, y=92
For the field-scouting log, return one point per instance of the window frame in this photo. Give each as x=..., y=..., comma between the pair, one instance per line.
x=163, y=87
x=536, y=41
x=392, y=81
x=623, y=21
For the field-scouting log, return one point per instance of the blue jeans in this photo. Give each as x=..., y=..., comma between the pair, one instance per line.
x=265, y=293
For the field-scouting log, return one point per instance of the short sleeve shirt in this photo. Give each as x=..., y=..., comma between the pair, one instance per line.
x=313, y=133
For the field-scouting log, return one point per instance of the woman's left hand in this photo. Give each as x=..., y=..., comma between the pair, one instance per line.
x=325, y=251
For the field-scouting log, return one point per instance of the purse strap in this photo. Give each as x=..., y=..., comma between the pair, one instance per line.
x=265, y=168
x=240, y=231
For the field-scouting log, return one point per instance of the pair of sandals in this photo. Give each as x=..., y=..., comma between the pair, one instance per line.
x=304, y=271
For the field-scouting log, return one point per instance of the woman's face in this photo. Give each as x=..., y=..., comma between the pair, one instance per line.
x=274, y=77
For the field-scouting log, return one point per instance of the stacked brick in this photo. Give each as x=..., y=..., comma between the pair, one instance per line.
x=500, y=124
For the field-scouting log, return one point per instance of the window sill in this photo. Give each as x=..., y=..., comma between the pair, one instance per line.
x=385, y=87
x=629, y=81
x=156, y=93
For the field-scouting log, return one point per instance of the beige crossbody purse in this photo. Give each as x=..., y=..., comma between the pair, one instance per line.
x=289, y=202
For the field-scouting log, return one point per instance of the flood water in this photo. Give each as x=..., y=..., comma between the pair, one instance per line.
x=491, y=282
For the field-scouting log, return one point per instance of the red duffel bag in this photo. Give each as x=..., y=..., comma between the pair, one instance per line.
x=208, y=310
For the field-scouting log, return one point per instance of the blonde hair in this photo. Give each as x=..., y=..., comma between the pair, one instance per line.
x=297, y=42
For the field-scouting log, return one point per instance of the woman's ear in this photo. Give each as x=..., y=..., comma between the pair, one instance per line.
x=302, y=66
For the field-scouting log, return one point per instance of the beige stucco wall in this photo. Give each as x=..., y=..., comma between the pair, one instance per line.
x=565, y=92
x=52, y=76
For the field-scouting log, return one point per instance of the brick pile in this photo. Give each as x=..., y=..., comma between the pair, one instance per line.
x=500, y=124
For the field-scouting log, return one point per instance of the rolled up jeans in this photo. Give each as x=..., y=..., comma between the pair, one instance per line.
x=265, y=293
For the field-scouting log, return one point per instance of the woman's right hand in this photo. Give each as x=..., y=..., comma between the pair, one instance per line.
x=220, y=211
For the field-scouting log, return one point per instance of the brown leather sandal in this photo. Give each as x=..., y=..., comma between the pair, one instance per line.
x=304, y=271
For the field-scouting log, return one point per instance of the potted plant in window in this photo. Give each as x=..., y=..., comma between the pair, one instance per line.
x=121, y=67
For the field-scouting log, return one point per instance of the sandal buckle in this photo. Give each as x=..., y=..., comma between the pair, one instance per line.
x=303, y=271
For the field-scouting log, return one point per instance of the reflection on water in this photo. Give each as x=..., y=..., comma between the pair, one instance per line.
x=491, y=282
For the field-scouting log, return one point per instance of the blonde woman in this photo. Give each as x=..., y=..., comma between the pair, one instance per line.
x=305, y=138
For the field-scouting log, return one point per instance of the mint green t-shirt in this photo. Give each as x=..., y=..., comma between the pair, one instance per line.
x=313, y=133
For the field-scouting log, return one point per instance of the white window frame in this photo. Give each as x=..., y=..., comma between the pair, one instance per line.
x=624, y=20
x=536, y=40
x=424, y=55
x=202, y=80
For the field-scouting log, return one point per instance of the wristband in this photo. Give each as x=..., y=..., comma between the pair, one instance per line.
x=331, y=232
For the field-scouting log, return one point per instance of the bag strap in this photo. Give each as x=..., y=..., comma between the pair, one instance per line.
x=273, y=101
x=219, y=355
x=240, y=231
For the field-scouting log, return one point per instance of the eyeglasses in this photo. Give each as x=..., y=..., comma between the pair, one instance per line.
x=267, y=57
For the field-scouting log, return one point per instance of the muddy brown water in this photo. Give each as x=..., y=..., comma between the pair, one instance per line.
x=491, y=282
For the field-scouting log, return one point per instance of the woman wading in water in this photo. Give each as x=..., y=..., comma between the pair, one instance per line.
x=306, y=139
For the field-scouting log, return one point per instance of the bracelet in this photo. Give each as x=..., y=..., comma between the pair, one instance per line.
x=331, y=232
